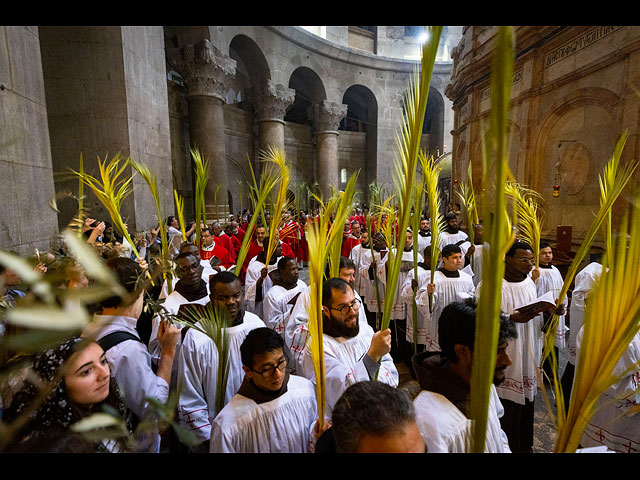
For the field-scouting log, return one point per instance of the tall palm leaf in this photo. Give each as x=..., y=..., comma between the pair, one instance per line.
x=180, y=213
x=612, y=319
x=612, y=182
x=277, y=158
x=527, y=215
x=497, y=235
x=201, y=170
x=406, y=160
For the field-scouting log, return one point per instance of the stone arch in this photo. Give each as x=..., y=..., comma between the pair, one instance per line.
x=574, y=140
x=360, y=127
x=309, y=90
x=434, y=122
x=251, y=67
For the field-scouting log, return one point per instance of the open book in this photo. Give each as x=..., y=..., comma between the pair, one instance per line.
x=540, y=304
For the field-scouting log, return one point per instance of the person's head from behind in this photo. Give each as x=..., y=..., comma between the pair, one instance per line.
x=373, y=417
x=263, y=358
x=456, y=336
x=128, y=273
x=226, y=292
x=340, y=308
x=452, y=257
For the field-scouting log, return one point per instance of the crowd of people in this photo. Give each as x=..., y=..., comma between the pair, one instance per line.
x=256, y=391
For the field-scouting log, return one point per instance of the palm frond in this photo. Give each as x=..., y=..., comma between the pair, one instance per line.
x=612, y=319
x=612, y=182
x=497, y=235
x=527, y=215
x=467, y=196
x=431, y=172
x=342, y=203
x=406, y=160
x=201, y=170
x=213, y=321
x=277, y=158
x=111, y=190
x=179, y=213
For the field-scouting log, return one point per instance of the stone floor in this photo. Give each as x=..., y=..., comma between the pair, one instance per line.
x=544, y=426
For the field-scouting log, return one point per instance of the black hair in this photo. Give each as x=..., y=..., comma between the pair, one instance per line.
x=170, y=219
x=450, y=216
x=331, y=284
x=258, y=342
x=185, y=255
x=346, y=262
x=282, y=263
x=518, y=245
x=369, y=407
x=127, y=272
x=457, y=325
x=222, y=277
x=450, y=249
x=544, y=244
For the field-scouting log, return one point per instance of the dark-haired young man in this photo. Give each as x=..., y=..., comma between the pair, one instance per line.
x=198, y=359
x=451, y=285
x=282, y=296
x=352, y=351
x=443, y=407
x=273, y=412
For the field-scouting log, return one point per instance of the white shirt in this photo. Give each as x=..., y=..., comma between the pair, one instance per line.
x=616, y=421
x=550, y=280
x=445, y=429
x=276, y=308
x=283, y=425
x=525, y=352
x=251, y=282
x=198, y=372
x=345, y=365
x=584, y=282
x=422, y=302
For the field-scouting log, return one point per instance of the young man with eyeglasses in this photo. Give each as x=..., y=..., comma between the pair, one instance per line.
x=517, y=392
x=198, y=359
x=273, y=412
x=352, y=351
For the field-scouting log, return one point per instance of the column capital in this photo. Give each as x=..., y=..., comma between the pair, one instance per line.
x=326, y=116
x=205, y=69
x=271, y=100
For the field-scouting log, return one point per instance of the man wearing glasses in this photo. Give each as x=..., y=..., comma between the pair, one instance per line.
x=517, y=392
x=352, y=351
x=273, y=412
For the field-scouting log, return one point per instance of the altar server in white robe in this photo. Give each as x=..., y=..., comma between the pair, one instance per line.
x=443, y=405
x=550, y=280
x=451, y=285
x=258, y=281
x=352, y=353
x=282, y=296
x=452, y=235
x=584, y=282
x=297, y=328
x=190, y=289
x=518, y=391
x=273, y=412
x=422, y=287
x=375, y=267
x=356, y=257
x=198, y=361
x=205, y=273
x=616, y=421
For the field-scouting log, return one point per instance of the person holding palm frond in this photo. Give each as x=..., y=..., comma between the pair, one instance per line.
x=259, y=279
x=550, y=280
x=352, y=351
x=281, y=298
x=273, y=412
x=518, y=391
x=198, y=359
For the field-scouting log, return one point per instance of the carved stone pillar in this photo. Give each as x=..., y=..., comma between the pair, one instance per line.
x=271, y=101
x=326, y=118
x=206, y=71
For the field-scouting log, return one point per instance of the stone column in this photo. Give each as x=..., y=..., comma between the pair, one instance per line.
x=271, y=102
x=326, y=118
x=206, y=72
